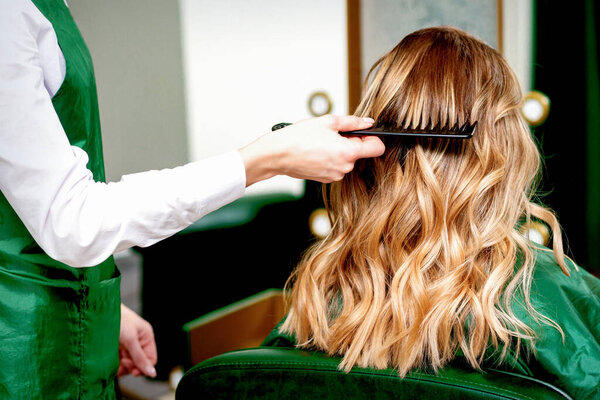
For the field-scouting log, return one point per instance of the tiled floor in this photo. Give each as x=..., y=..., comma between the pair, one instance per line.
x=140, y=388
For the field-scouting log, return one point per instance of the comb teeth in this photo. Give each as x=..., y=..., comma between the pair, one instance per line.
x=465, y=128
x=464, y=131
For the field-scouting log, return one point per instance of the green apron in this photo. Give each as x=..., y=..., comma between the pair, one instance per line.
x=59, y=326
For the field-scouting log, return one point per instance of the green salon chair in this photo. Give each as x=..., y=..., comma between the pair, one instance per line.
x=287, y=373
x=268, y=367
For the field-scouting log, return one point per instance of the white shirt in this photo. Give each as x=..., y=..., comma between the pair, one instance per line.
x=73, y=218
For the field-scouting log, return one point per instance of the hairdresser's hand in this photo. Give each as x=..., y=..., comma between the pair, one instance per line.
x=310, y=149
x=137, y=348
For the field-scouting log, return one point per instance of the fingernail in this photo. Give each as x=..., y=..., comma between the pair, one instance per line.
x=367, y=119
x=150, y=371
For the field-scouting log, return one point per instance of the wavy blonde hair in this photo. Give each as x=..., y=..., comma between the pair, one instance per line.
x=425, y=253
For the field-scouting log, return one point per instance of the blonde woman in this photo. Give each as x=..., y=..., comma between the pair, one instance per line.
x=426, y=260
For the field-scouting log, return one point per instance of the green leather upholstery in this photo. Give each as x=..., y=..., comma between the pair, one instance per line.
x=289, y=373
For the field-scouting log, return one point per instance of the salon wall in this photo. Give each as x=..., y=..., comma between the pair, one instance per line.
x=385, y=22
x=136, y=48
x=250, y=65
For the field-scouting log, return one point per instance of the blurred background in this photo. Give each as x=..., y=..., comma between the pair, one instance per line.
x=182, y=80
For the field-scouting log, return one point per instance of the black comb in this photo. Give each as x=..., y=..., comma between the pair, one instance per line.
x=464, y=131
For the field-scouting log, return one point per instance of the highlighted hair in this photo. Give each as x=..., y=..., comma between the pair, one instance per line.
x=425, y=253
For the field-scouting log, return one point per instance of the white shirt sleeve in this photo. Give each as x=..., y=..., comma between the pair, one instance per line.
x=73, y=218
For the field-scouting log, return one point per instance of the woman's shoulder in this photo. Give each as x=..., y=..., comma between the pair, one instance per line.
x=562, y=297
x=548, y=271
x=277, y=338
x=571, y=354
x=545, y=260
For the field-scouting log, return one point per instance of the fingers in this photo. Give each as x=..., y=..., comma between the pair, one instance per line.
x=345, y=123
x=141, y=361
x=149, y=346
x=126, y=367
x=139, y=357
x=368, y=146
x=137, y=348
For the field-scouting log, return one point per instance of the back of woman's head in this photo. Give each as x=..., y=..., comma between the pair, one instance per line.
x=425, y=252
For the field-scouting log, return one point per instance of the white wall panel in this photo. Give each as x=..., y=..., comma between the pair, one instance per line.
x=251, y=64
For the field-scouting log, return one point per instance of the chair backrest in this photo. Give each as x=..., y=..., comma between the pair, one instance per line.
x=286, y=373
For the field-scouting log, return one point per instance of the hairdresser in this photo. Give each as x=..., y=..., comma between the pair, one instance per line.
x=60, y=223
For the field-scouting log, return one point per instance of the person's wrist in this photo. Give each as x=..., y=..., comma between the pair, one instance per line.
x=260, y=161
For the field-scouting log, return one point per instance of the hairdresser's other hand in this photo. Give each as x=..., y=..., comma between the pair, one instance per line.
x=137, y=348
x=310, y=149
